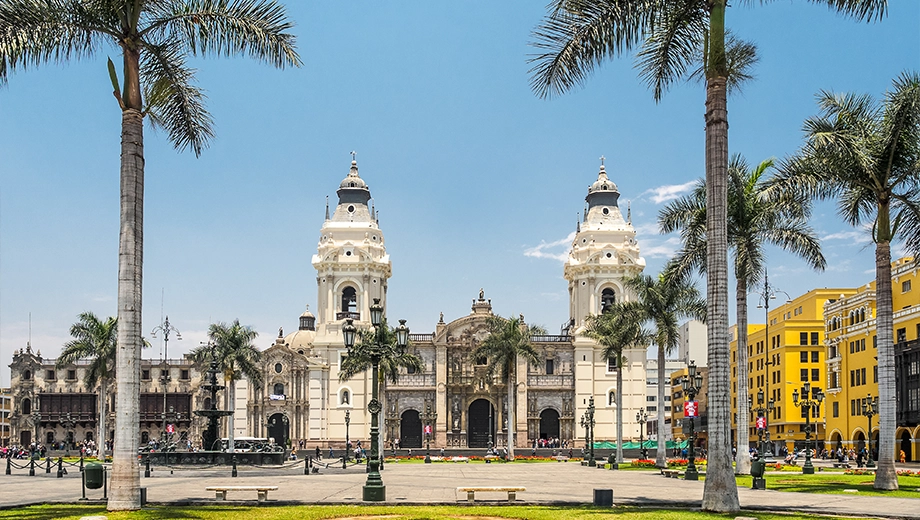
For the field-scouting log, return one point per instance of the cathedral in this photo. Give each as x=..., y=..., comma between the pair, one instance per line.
x=302, y=399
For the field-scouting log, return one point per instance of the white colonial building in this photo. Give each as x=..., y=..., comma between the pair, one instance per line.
x=303, y=399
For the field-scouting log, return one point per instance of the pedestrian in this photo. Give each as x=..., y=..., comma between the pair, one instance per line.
x=442, y=453
x=902, y=456
x=331, y=453
x=319, y=455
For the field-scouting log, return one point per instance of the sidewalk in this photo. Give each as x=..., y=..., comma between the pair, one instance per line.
x=546, y=483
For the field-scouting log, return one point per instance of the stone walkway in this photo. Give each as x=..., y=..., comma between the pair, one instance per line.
x=546, y=483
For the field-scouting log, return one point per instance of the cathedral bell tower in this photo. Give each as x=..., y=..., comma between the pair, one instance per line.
x=604, y=253
x=352, y=264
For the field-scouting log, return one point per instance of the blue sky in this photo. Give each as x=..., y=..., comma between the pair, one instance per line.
x=478, y=182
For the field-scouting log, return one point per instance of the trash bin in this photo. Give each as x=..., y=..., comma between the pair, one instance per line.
x=757, y=467
x=92, y=472
x=603, y=497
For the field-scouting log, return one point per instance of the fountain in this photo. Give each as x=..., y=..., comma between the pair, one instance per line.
x=210, y=436
x=213, y=452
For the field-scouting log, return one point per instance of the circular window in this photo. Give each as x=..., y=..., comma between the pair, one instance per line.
x=609, y=255
x=584, y=240
x=351, y=209
x=375, y=238
x=375, y=281
x=584, y=284
x=278, y=368
x=606, y=211
x=347, y=253
x=300, y=352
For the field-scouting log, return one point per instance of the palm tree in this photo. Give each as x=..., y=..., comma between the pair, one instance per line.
x=665, y=301
x=577, y=36
x=508, y=340
x=754, y=220
x=392, y=359
x=93, y=339
x=617, y=328
x=154, y=38
x=868, y=157
x=231, y=346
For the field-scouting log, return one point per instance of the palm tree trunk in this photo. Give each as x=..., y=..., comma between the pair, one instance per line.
x=742, y=457
x=720, y=491
x=886, y=476
x=101, y=436
x=511, y=385
x=620, y=410
x=661, y=454
x=125, y=484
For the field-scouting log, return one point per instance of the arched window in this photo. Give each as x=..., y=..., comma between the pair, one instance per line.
x=27, y=374
x=349, y=300
x=26, y=407
x=278, y=389
x=608, y=298
x=612, y=398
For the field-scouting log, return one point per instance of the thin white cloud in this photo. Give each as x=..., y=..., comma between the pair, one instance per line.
x=668, y=192
x=552, y=249
x=855, y=235
x=659, y=249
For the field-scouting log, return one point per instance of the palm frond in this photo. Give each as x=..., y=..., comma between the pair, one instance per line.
x=675, y=42
x=258, y=28
x=578, y=35
x=173, y=102
x=34, y=32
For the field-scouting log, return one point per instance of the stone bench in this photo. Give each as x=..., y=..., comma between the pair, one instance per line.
x=671, y=473
x=842, y=465
x=471, y=491
x=262, y=491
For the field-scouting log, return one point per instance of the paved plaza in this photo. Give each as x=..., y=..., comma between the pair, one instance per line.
x=546, y=483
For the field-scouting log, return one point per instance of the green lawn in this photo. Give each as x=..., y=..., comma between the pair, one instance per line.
x=390, y=512
x=827, y=482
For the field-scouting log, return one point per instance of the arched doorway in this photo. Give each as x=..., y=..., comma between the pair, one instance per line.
x=481, y=424
x=278, y=428
x=860, y=440
x=25, y=438
x=410, y=430
x=906, y=446
x=549, y=424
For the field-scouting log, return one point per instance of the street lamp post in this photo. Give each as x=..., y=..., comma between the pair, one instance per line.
x=763, y=407
x=870, y=409
x=165, y=328
x=347, y=447
x=587, y=422
x=374, y=490
x=642, y=418
x=430, y=417
x=810, y=403
x=769, y=293
x=691, y=385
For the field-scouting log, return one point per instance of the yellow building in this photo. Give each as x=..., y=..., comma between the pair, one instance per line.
x=782, y=356
x=852, y=366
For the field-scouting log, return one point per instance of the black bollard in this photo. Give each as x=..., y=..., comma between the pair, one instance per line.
x=81, y=462
x=60, y=468
x=8, y=469
x=233, y=460
x=146, y=465
x=47, y=464
x=306, y=465
x=31, y=467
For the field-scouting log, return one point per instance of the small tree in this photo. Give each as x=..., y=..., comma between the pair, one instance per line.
x=232, y=347
x=666, y=301
x=93, y=339
x=618, y=328
x=391, y=360
x=508, y=339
